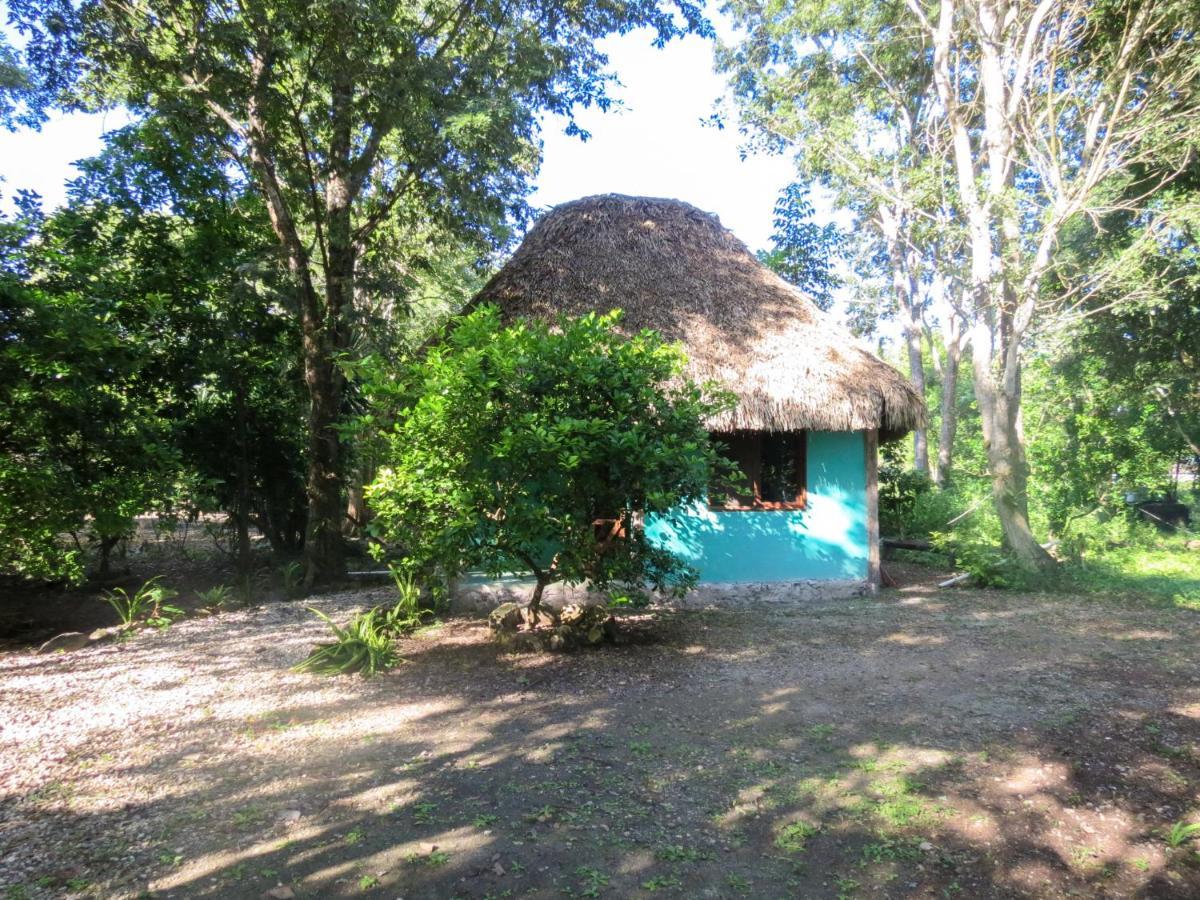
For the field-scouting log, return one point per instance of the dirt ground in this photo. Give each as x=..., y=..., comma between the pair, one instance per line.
x=920, y=743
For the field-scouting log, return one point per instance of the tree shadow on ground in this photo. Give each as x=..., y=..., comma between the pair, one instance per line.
x=984, y=746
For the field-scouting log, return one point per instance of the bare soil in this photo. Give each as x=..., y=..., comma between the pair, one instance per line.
x=921, y=743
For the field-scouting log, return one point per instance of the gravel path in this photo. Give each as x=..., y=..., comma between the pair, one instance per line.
x=920, y=744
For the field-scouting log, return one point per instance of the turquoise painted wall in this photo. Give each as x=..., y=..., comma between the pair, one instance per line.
x=828, y=540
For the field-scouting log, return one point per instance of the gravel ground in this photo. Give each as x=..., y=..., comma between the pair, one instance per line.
x=919, y=744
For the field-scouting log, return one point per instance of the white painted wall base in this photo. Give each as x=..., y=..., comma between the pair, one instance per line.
x=472, y=596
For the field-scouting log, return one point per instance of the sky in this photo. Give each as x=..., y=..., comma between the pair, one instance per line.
x=654, y=143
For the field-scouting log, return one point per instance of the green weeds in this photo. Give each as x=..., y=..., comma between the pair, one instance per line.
x=147, y=605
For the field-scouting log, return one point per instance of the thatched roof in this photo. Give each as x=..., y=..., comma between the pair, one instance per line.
x=677, y=270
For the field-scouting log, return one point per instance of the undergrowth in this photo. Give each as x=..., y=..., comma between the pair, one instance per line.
x=367, y=643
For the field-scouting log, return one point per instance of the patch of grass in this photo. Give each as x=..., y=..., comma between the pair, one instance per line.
x=1165, y=573
x=485, y=820
x=661, y=883
x=367, y=882
x=793, y=837
x=676, y=853
x=423, y=813
x=354, y=836
x=889, y=850
x=738, y=883
x=248, y=815
x=592, y=881
x=433, y=859
x=1182, y=833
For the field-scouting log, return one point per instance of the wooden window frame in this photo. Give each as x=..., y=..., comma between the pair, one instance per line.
x=728, y=504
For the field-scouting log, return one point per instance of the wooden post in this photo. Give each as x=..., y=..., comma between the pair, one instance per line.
x=872, y=448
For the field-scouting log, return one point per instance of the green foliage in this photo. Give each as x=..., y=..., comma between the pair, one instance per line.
x=216, y=597
x=1182, y=833
x=364, y=645
x=899, y=489
x=976, y=547
x=367, y=643
x=803, y=252
x=794, y=837
x=513, y=442
x=148, y=605
x=291, y=574
x=82, y=447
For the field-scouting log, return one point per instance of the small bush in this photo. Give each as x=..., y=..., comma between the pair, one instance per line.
x=216, y=597
x=147, y=605
x=363, y=646
x=367, y=643
x=899, y=489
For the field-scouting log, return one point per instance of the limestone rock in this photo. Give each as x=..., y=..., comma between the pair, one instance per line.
x=505, y=618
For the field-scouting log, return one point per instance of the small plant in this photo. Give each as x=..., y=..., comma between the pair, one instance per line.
x=217, y=597
x=592, y=881
x=367, y=882
x=292, y=575
x=661, y=882
x=423, y=813
x=147, y=604
x=1182, y=832
x=364, y=646
x=407, y=614
x=794, y=837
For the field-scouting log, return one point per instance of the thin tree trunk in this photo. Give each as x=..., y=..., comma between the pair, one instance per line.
x=242, y=509
x=949, y=414
x=893, y=225
x=996, y=334
x=916, y=374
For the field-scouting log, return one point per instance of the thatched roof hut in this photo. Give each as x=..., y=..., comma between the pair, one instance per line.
x=677, y=270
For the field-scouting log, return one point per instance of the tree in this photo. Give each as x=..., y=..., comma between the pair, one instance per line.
x=815, y=78
x=82, y=447
x=1043, y=112
x=1047, y=106
x=802, y=252
x=354, y=120
x=535, y=449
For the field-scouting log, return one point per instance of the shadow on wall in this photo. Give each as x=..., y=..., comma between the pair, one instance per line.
x=825, y=541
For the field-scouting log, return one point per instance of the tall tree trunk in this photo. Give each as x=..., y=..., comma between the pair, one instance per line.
x=916, y=374
x=948, y=428
x=324, y=551
x=996, y=332
x=893, y=224
x=243, y=505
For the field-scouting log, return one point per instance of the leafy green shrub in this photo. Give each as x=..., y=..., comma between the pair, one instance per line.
x=935, y=510
x=367, y=643
x=899, y=489
x=216, y=597
x=292, y=575
x=516, y=441
x=363, y=646
x=146, y=605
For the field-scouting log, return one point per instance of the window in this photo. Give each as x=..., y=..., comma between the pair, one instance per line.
x=774, y=469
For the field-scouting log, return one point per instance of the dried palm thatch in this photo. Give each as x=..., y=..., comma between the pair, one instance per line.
x=675, y=269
